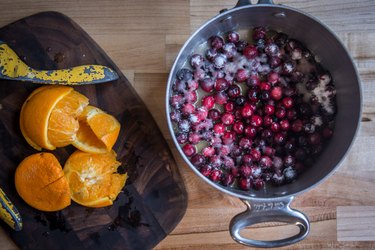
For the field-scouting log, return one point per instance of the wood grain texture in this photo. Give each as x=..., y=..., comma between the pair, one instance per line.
x=117, y=25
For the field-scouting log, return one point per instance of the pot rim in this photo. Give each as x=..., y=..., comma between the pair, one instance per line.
x=218, y=186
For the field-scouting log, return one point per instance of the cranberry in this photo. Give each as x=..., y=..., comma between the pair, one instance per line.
x=291, y=114
x=207, y=84
x=194, y=138
x=280, y=113
x=327, y=132
x=245, y=143
x=229, y=50
x=221, y=97
x=184, y=126
x=219, y=61
x=289, y=146
x=256, y=121
x=229, y=106
x=233, y=37
x=275, y=127
x=191, y=96
x=206, y=170
x=253, y=95
x=219, y=129
x=288, y=68
x=208, y=102
x=216, y=141
x=287, y=102
x=265, y=162
x=280, y=39
x=214, y=114
x=250, y=131
x=197, y=160
x=233, y=91
x=196, y=60
x=184, y=75
x=279, y=138
x=192, y=85
x=246, y=111
x=175, y=116
x=267, y=121
x=278, y=178
x=176, y=101
x=253, y=81
x=271, y=49
x=247, y=160
x=227, y=119
x=273, y=78
x=228, y=161
x=258, y=184
x=240, y=100
x=269, y=109
x=182, y=138
x=250, y=52
x=238, y=127
x=300, y=154
x=244, y=184
x=187, y=109
x=314, y=139
x=242, y=75
x=227, y=179
x=256, y=171
x=264, y=86
x=241, y=45
x=277, y=163
x=207, y=135
x=228, y=137
x=275, y=61
x=194, y=119
x=269, y=151
x=221, y=84
x=290, y=174
x=215, y=176
x=284, y=124
x=208, y=151
x=189, y=150
x=245, y=171
x=297, y=126
x=259, y=33
x=276, y=93
x=236, y=151
x=261, y=44
x=289, y=161
x=215, y=161
x=211, y=53
x=216, y=42
x=223, y=150
x=304, y=109
x=255, y=154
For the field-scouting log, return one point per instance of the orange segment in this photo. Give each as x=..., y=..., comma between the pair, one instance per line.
x=35, y=114
x=41, y=183
x=63, y=123
x=93, y=178
x=98, y=131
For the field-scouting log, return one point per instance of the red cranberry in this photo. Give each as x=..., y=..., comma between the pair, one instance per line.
x=211, y=53
x=256, y=171
x=265, y=162
x=215, y=161
x=214, y=114
x=184, y=75
x=244, y=184
x=284, y=124
x=216, y=141
x=250, y=131
x=253, y=81
x=271, y=49
x=250, y=52
x=207, y=84
x=233, y=91
x=290, y=174
x=246, y=111
x=219, y=61
x=184, y=126
x=267, y=121
x=240, y=101
x=227, y=119
x=194, y=138
x=275, y=61
x=241, y=45
x=182, y=138
x=191, y=96
x=256, y=121
x=253, y=95
x=219, y=129
x=202, y=113
x=208, y=151
x=176, y=101
x=223, y=150
x=194, y=119
x=247, y=160
x=327, y=132
x=196, y=60
x=216, y=42
x=258, y=184
x=255, y=154
x=208, y=101
x=264, y=86
x=314, y=139
x=269, y=109
x=289, y=161
x=245, y=171
x=221, y=97
x=265, y=95
x=235, y=151
x=229, y=106
x=228, y=161
x=259, y=33
x=273, y=78
x=278, y=178
x=207, y=135
x=233, y=37
x=229, y=50
x=245, y=143
x=187, y=109
x=297, y=126
x=287, y=102
x=175, y=116
x=277, y=163
x=221, y=84
x=288, y=68
x=269, y=151
x=276, y=93
x=228, y=137
x=227, y=179
x=242, y=75
x=197, y=160
x=238, y=127
x=189, y=150
x=275, y=127
x=206, y=170
x=216, y=175
x=279, y=138
x=280, y=113
x=291, y=114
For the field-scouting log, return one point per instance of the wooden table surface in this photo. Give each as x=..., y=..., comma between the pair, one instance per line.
x=143, y=38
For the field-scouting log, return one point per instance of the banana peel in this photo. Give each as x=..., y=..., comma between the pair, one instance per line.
x=13, y=68
x=9, y=213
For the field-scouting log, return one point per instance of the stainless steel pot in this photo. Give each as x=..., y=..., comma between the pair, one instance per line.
x=273, y=204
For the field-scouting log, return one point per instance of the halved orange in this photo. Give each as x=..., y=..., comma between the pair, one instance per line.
x=49, y=116
x=93, y=178
x=41, y=183
x=98, y=131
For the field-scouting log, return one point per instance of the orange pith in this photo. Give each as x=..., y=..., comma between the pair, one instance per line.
x=93, y=178
x=41, y=183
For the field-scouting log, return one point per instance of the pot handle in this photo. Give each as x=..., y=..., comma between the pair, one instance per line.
x=248, y=2
x=265, y=211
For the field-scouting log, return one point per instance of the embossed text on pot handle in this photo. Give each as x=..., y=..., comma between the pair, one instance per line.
x=263, y=210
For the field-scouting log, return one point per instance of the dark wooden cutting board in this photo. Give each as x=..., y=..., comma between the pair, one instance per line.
x=154, y=198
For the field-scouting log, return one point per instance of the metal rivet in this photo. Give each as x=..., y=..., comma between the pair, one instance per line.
x=279, y=15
